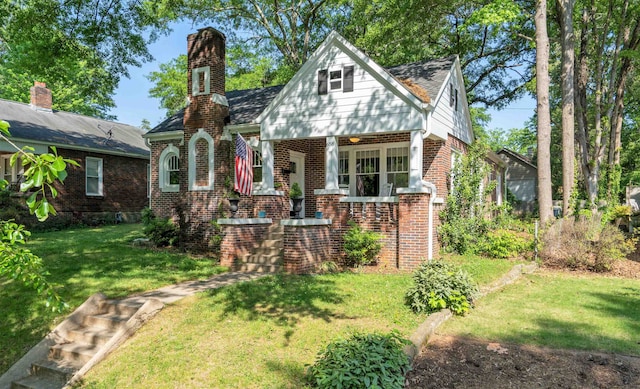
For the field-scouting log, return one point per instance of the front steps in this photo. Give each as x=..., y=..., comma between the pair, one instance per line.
x=265, y=257
x=93, y=329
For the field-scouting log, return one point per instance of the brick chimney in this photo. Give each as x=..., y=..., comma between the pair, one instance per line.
x=41, y=99
x=205, y=68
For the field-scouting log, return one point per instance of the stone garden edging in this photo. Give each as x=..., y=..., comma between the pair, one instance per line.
x=433, y=321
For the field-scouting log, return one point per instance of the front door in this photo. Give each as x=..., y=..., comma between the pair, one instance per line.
x=297, y=174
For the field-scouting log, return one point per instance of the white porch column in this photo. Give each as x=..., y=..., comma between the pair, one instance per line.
x=267, y=164
x=331, y=159
x=415, y=159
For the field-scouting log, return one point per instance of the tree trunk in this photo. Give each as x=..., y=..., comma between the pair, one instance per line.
x=565, y=16
x=544, y=116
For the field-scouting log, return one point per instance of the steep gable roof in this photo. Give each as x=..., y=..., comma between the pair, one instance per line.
x=246, y=105
x=518, y=157
x=73, y=131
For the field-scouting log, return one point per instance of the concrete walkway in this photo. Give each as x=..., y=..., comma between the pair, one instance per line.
x=172, y=293
x=122, y=320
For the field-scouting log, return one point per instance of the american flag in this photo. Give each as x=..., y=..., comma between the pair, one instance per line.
x=243, y=183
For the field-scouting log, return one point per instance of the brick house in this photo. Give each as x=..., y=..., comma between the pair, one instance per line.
x=364, y=143
x=113, y=157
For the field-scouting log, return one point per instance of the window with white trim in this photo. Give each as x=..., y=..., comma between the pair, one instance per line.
x=336, y=79
x=343, y=169
x=94, y=176
x=398, y=167
x=169, y=169
x=366, y=169
x=257, y=168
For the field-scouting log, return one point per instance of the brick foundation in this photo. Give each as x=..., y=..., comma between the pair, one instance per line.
x=239, y=240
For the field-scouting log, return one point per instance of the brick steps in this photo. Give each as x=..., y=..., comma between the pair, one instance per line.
x=266, y=257
x=78, y=347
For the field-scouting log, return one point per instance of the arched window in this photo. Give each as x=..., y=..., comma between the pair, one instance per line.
x=201, y=171
x=169, y=169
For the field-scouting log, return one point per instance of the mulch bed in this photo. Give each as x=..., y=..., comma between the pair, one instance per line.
x=454, y=362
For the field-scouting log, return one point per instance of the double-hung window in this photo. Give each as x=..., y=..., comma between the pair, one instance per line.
x=94, y=176
x=257, y=168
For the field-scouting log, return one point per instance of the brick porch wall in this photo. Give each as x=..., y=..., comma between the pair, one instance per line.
x=306, y=247
x=238, y=240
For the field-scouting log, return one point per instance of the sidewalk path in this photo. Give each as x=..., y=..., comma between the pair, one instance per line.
x=172, y=293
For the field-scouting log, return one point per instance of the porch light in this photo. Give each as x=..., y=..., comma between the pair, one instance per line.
x=354, y=139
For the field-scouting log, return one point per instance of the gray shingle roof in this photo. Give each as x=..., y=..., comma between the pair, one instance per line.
x=427, y=74
x=246, y=105
x=72, y=131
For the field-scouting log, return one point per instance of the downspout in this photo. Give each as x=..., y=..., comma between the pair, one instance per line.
x=428, y=109
x=432, y=199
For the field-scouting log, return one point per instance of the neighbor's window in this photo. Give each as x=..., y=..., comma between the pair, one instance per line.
x=93, y=170
x=398, y=167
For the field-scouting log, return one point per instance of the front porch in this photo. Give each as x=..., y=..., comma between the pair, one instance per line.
x=377, y=183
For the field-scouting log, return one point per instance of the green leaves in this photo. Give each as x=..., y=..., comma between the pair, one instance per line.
x=438, y=285
x=41, y=172
x=362, y=361
x=361, y=247
x=4, y=128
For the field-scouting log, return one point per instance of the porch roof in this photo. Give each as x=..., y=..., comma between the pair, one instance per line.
x=246, y=105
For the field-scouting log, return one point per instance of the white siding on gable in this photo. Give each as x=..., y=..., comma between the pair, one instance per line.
x=445, y=118
x=370, y=108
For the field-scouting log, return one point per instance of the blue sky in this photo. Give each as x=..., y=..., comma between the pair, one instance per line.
x=133, y=103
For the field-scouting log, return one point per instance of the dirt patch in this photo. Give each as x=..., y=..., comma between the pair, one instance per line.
x=452, y=362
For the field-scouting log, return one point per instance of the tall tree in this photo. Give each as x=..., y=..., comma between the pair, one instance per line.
x=493, y=40
x=544, y=116
x=79, y=48
x=565, y=20
x=289, y=29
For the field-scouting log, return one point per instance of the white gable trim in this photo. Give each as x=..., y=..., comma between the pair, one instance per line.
x=336, y=40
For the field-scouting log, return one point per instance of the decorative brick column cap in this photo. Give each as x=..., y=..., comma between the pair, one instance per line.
x=305, y=222
x=262, y=220
x=320, y=192
x=267, y=192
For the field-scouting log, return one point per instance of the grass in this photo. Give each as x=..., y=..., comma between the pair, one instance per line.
x=83, y=262
x=262, y=334
x=559, y=310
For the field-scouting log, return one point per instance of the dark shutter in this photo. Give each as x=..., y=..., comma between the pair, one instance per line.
x=452, y=97
x=347, y=85
x=323, y=76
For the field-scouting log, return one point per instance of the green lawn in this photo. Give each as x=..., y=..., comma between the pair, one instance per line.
x=83, y=262
x=262, y=334
x=559, y=310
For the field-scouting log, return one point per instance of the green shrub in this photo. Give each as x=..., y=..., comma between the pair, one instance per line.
x=161, y=231
x=438, y=285
x=361, y=247
x=503, y=243
x=361, y=361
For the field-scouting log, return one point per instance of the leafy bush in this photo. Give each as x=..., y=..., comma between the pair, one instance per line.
x=464, y=218
x=161, y=231
x=584, y=243
x=438, y=285
x=361, y=247
x=361, y=361
x=503, y=243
